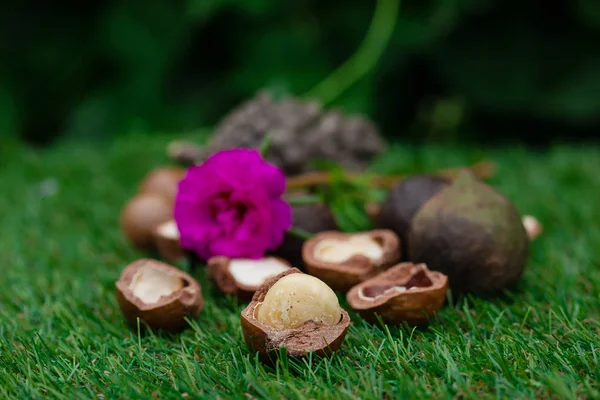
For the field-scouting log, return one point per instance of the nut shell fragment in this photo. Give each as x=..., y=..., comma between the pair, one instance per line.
x=341, y=274
x=169, y=311
x=406, y=292
x=166, y=239
x=220, y=271
x=323, y=340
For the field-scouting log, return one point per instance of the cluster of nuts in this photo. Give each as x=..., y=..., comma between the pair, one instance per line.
x=432, y=234
x=147, y=218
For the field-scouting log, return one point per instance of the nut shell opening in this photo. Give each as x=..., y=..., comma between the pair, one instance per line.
x=150, y=283
x=345, y=259
x=242, y=277
x=406, y=292
x=310, y=336
x=158, y=294
x=166, y=239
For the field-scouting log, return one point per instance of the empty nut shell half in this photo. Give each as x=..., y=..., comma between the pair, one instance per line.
x=158, y=294
x=166, y=239
x=343, y=260
x=321, y=339
x=242, y=277
x=406, y=292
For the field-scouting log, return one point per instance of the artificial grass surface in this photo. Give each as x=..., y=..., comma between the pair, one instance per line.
x=62, y=334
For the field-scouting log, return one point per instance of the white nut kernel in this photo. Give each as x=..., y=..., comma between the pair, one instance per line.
x=337, y=251
x=150, y=283
x=296, y=299
x=169, y=230
x=255, y=272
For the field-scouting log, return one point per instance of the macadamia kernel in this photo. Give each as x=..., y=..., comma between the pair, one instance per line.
x=296, y=299
x=254, y=272
x=150, y=283
x=337, y=251
x=169, y=230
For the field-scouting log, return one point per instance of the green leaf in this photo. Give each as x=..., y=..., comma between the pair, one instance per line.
x=264, y=146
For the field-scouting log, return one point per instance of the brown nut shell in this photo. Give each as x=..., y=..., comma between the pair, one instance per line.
x=169, y=312
x=358, y=268
x=424, y=293
x=266, y=340
x=218, y=269
x=166, y=239
x=141, y=215
x=163, y=181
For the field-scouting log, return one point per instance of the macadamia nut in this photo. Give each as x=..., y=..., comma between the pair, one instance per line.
x=296, y=299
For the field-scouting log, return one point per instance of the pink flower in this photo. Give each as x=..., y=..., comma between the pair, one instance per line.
x=231, y=205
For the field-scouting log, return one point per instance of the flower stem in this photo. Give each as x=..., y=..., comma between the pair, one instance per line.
x=300, y=233
x=482, y=169
x=300, y=201
x=365, y=58
x=264, y=145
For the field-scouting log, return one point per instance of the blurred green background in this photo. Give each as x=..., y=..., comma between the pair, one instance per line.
x=452, y=69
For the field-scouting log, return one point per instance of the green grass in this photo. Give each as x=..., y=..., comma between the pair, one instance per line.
x=62, y=334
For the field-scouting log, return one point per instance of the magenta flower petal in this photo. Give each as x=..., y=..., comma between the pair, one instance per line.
x=231, y=205
x=281, y=214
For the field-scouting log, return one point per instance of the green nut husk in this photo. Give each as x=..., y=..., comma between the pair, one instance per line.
x=472, y=234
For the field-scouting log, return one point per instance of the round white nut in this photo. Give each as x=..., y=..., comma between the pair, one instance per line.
x=337, y=251
x=296, y=299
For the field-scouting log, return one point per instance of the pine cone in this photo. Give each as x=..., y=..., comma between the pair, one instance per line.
x=300, y=132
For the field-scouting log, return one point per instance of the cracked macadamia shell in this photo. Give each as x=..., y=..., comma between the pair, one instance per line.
x=158, y=294
x=242, y=277
x=321, y=339
x=343, y=260
x=406, y=292
x=167, y=241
